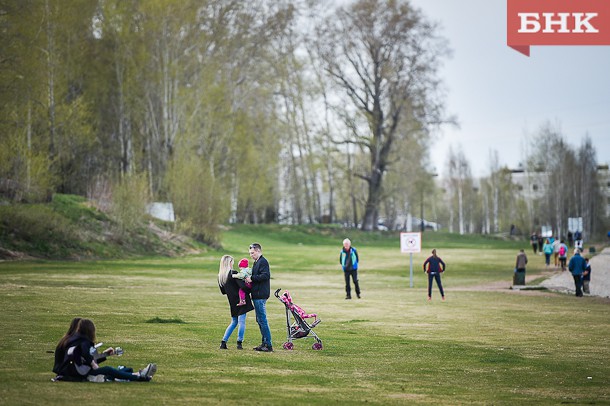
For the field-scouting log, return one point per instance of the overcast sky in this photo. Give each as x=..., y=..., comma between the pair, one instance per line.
x=501, y=97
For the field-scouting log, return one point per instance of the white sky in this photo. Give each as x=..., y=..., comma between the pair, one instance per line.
x=501, y=97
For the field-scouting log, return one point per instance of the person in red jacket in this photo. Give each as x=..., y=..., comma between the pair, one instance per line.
x=436, y=266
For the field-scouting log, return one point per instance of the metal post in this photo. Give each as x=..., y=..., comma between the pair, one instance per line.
x=411, y=272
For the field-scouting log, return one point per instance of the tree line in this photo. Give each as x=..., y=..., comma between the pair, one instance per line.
x=262, y=111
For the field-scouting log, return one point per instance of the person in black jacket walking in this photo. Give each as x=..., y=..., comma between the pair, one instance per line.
x=436, y=266
x=261, y=290
x=230, y=286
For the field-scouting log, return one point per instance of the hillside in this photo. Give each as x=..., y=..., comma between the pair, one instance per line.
x=69, y=227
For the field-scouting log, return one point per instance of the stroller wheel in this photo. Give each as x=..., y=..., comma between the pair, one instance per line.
x=317, y=346
x=288, y=345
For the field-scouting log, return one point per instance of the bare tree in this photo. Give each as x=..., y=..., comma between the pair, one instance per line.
x=383, y=55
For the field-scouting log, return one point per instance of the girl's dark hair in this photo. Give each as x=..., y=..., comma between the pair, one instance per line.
x=71, y=330
x=86, y=328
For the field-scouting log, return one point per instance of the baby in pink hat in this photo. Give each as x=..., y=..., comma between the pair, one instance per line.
x=243, y=273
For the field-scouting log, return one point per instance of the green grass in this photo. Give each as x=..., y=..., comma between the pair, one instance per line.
x=481, y=346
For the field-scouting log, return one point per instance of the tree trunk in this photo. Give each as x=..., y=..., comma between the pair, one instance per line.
x=50, y=51
x=369, y=222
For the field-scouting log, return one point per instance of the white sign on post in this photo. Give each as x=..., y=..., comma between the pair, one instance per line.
x=410, y=242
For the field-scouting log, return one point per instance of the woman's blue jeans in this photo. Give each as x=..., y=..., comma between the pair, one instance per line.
x=236, y=321
x=437, y=277
x=261, y=318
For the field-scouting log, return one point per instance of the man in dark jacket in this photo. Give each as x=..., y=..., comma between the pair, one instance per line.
x=261, y=289
x=577, y=267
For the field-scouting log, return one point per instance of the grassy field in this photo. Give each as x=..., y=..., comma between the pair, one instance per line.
x=483, y=345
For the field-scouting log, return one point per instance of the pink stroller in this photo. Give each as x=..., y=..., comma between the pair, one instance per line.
x=298, y=328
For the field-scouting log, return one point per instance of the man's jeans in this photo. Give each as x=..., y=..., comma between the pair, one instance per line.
x=261, y=318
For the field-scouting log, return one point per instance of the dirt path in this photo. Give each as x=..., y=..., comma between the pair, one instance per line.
x=600, y=277
x=559, y=281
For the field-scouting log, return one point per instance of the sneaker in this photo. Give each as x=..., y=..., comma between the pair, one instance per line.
x=348, y=297
x=239, y=346
x=358, y=294
x=148, y=371
x=223, y=345
x=265, y=348
x=258, y=347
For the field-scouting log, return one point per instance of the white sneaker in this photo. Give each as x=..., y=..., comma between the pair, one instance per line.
x=148, y=371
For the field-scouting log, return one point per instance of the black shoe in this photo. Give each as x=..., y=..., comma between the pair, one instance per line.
x=239, y=346
x=266, y=348
x=348, y=297
x=258, y=348
x=358, y=294
x=223, y=345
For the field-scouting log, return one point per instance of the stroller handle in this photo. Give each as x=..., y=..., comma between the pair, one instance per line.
x=277, y=293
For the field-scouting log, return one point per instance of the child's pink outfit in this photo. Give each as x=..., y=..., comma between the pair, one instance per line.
x=243, y=273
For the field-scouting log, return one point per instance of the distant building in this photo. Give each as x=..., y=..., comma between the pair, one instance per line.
x=533, y=185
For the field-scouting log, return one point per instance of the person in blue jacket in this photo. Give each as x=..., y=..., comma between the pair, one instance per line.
x=436, y=266
x=577, y=267
x=348, y=258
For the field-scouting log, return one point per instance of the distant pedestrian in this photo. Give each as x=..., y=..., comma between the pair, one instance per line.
x=534, y=242
x=436, y=266
x=578, y=240
x=563, y=255
x=548, y=251
x=556, y=243
x=540, y=244
x=348, y=258
x=586, y=277
x=520, y=264
x=577, y=267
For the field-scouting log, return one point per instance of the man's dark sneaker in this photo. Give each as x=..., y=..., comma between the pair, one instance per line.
x=223, y=345
x=239, y=346
x=266, y=349
x=358, y=294
x=258, y=347
x=348, y=297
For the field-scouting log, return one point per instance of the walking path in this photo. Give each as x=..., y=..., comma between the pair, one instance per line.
x=600, y=277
